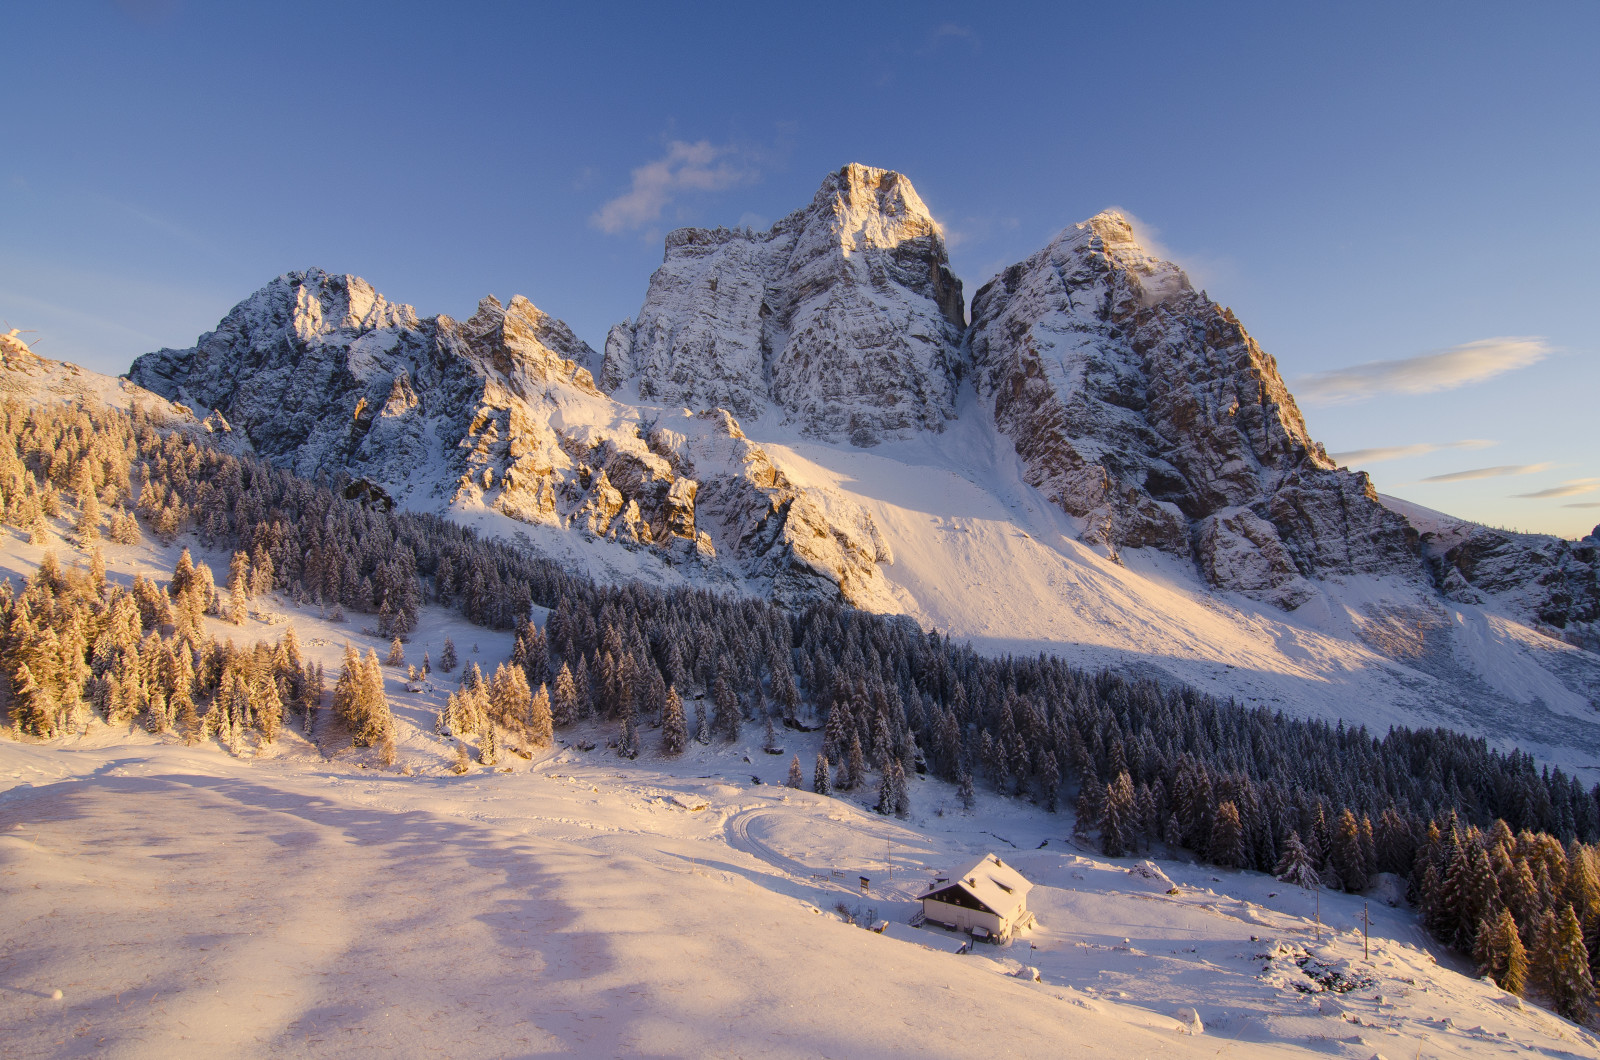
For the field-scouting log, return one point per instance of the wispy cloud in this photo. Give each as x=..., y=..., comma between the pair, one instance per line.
x=1397, y=452
x=1570, y=488
x=1425, y=373
x=1585, y=504
x=698, y=166
x=1490, y=472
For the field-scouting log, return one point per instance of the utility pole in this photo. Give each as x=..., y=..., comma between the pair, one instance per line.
x=1366, y=926
x=888, y=846
x=1319, y=912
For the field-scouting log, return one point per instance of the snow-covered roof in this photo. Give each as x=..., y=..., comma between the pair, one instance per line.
x=992, y=882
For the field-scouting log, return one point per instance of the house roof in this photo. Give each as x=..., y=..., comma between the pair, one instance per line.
x=991, y=881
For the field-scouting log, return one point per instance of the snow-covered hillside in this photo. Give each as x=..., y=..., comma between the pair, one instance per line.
x=252, y=895
x=164, y=901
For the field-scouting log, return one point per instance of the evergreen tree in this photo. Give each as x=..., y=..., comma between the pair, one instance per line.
x=564, y=700
x=674, y=727
x=822, y=777
x=1117, y=818
x=1560, y=965
x=726, y=721
x=1500, y=954
x=855, y=766
x=32, y=708
x=486, y=748
x=447, y=657
x=628, y=744
x=541, y=726
x=1295, y=867
x=1227, y=837
x=702, y=724
x=797, y=777
x=397, y=654
x=1348, y=857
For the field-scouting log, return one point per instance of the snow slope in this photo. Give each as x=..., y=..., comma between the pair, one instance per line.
x=185, y=903
x=300, y=901
x=983, y=556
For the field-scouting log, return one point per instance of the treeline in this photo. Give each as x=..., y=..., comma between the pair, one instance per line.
x=1145, y=763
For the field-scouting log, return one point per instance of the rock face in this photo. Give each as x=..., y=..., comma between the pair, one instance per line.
x=324, y=376
x=845, y=316
x=1144, y=408
x=1548, y=581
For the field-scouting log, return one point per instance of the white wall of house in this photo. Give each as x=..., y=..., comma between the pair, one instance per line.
x=962, y=918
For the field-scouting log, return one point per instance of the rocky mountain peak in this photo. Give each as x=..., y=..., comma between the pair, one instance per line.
x=323, y=303
x=864, y=207
x=525, y=346
x=1141, y=406
x=844, y=317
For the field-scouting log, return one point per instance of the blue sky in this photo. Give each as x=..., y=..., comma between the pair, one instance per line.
x=1399, y=201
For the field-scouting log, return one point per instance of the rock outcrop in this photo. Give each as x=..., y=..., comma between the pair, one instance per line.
x=1145, y=409
x=1549, y=582
x=325, y=377
x=845, y=316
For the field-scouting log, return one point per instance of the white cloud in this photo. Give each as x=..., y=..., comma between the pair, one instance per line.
x=700, y=166
x=1397, y=452
x=1570, y=488
x=1426, y=373
x=1490, y=472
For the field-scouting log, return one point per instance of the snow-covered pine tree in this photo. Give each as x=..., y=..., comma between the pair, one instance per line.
x=1117, y=818
x=726, y=699
x=1295, y=867
x=1348, y=856
x=702, y=724
x=628, y=742
x=797, y=776
x=1227, y=837
x=964, y=789
x=447, y=657
x=397, y=654
x=674, y=726
x=541, y=731
x=822, y=778
x=486, y=746
x=855, y=766
x=268, y=708
x=564, y=699
x=1560, y=966
x=899, y=792
x=1500, y=954
x=1049, y=780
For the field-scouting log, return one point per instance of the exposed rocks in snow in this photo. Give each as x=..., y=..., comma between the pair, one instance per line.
x=1546, y=580
x=844, y=315
x=325, y=377
x=1145, y=409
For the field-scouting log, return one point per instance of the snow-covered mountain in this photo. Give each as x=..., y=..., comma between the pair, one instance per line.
x=845, y=316
x=1144, y=408
x=1104, y=465
x=496, y=417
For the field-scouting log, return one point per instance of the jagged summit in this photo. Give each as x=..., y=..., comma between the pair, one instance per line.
x=1141, y=406
x=498, y=413
x=844, y=317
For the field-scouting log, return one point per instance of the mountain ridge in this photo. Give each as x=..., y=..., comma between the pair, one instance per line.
x=1094, y=382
